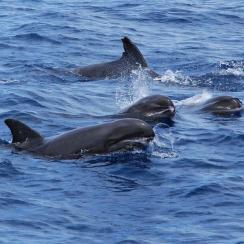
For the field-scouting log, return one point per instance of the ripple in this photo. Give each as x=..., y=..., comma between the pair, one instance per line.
x=35, y=225
x=17, y=99
x=6, y=82
x=35, y=37
x=7, y=169
x=12, y=201
x=207, y=189
x=28, y=116
x=186, y=187
x=128, y=242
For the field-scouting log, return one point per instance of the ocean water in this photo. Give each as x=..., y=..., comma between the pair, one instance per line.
x=188, y=187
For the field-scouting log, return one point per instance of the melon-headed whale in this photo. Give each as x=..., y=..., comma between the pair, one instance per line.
x=131, y=59
x=154, y=108
x=223, y=106
x=123, y=134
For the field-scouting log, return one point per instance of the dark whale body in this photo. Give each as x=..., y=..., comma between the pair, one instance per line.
x=124, y=134
x=131, y=59
x=223, y=106
x=155, y=108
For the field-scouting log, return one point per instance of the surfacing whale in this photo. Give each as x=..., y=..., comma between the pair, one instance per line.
x=223, y=106
x=131, y=59
x=154, y=108
x=123, y=134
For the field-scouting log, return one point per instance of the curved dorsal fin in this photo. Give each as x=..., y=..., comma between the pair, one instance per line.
x=133, y=53
x=22, y=132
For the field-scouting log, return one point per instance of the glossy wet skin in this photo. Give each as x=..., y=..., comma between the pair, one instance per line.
x=131, y=59
x=120, y=134
x=223, y=105
x=152, y=108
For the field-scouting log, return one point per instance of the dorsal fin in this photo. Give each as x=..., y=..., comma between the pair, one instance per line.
x=133, y=53
x=21, y=132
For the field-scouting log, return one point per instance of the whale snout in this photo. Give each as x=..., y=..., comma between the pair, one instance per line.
x=129, y=134
x=170, y=111
x=238, y=102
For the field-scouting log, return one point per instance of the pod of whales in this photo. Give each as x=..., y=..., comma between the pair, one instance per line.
x=131, y=59
x=131, y=131
x=104, y=138
x=223, y=106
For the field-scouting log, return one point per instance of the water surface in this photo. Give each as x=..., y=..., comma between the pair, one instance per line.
x=188, y=187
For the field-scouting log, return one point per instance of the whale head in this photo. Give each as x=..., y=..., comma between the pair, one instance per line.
x=152, y=108
x=128, y=134
x=223, y=105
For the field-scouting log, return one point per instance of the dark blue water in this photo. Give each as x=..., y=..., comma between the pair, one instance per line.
x=188, y=187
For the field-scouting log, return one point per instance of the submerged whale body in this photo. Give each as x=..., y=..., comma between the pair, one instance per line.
x=223, y=106
x=131, y=59
x=123, y=134
x=155, y=108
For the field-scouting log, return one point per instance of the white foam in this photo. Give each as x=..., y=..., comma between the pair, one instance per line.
x=163, y=155
x=237, y=68
x=174, y=77
x=233, y=71
x=195, y=100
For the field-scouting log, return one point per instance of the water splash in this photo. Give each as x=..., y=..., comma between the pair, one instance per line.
x=195, y=100
x=232, y=67
x=176, y=77
x=227, y=76
x=163, y=144
x=133, y=89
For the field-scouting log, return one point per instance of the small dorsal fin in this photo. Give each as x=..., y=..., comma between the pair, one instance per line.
x=22, y=132
x=133, y=53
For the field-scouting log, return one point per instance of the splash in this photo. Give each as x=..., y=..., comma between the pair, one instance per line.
x=163, y=144
x=176, y=77
x=232, y=67
x=195, y=100
x=133, y=89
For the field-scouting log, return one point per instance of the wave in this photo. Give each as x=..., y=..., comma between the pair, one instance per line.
x=36, y=37
x=206, y=189
x=225, y=76
x=232, y=67
x=195, y=100
x=28, y=116
x=7, y=169
x=5, y=82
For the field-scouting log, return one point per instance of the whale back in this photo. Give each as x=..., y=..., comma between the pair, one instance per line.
x=132, y=53
x=22, y=135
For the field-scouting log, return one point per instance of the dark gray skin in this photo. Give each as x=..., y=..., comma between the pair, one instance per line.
x=131, y=59
x=155, y=108
x=124, y=134
x=223, y=106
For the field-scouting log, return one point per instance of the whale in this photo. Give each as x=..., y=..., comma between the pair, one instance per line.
x=223, y=106
x=119, y=135
x=154, y=108
x=131, y=59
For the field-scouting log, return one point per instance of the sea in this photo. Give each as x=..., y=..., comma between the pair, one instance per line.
x=187, y=186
